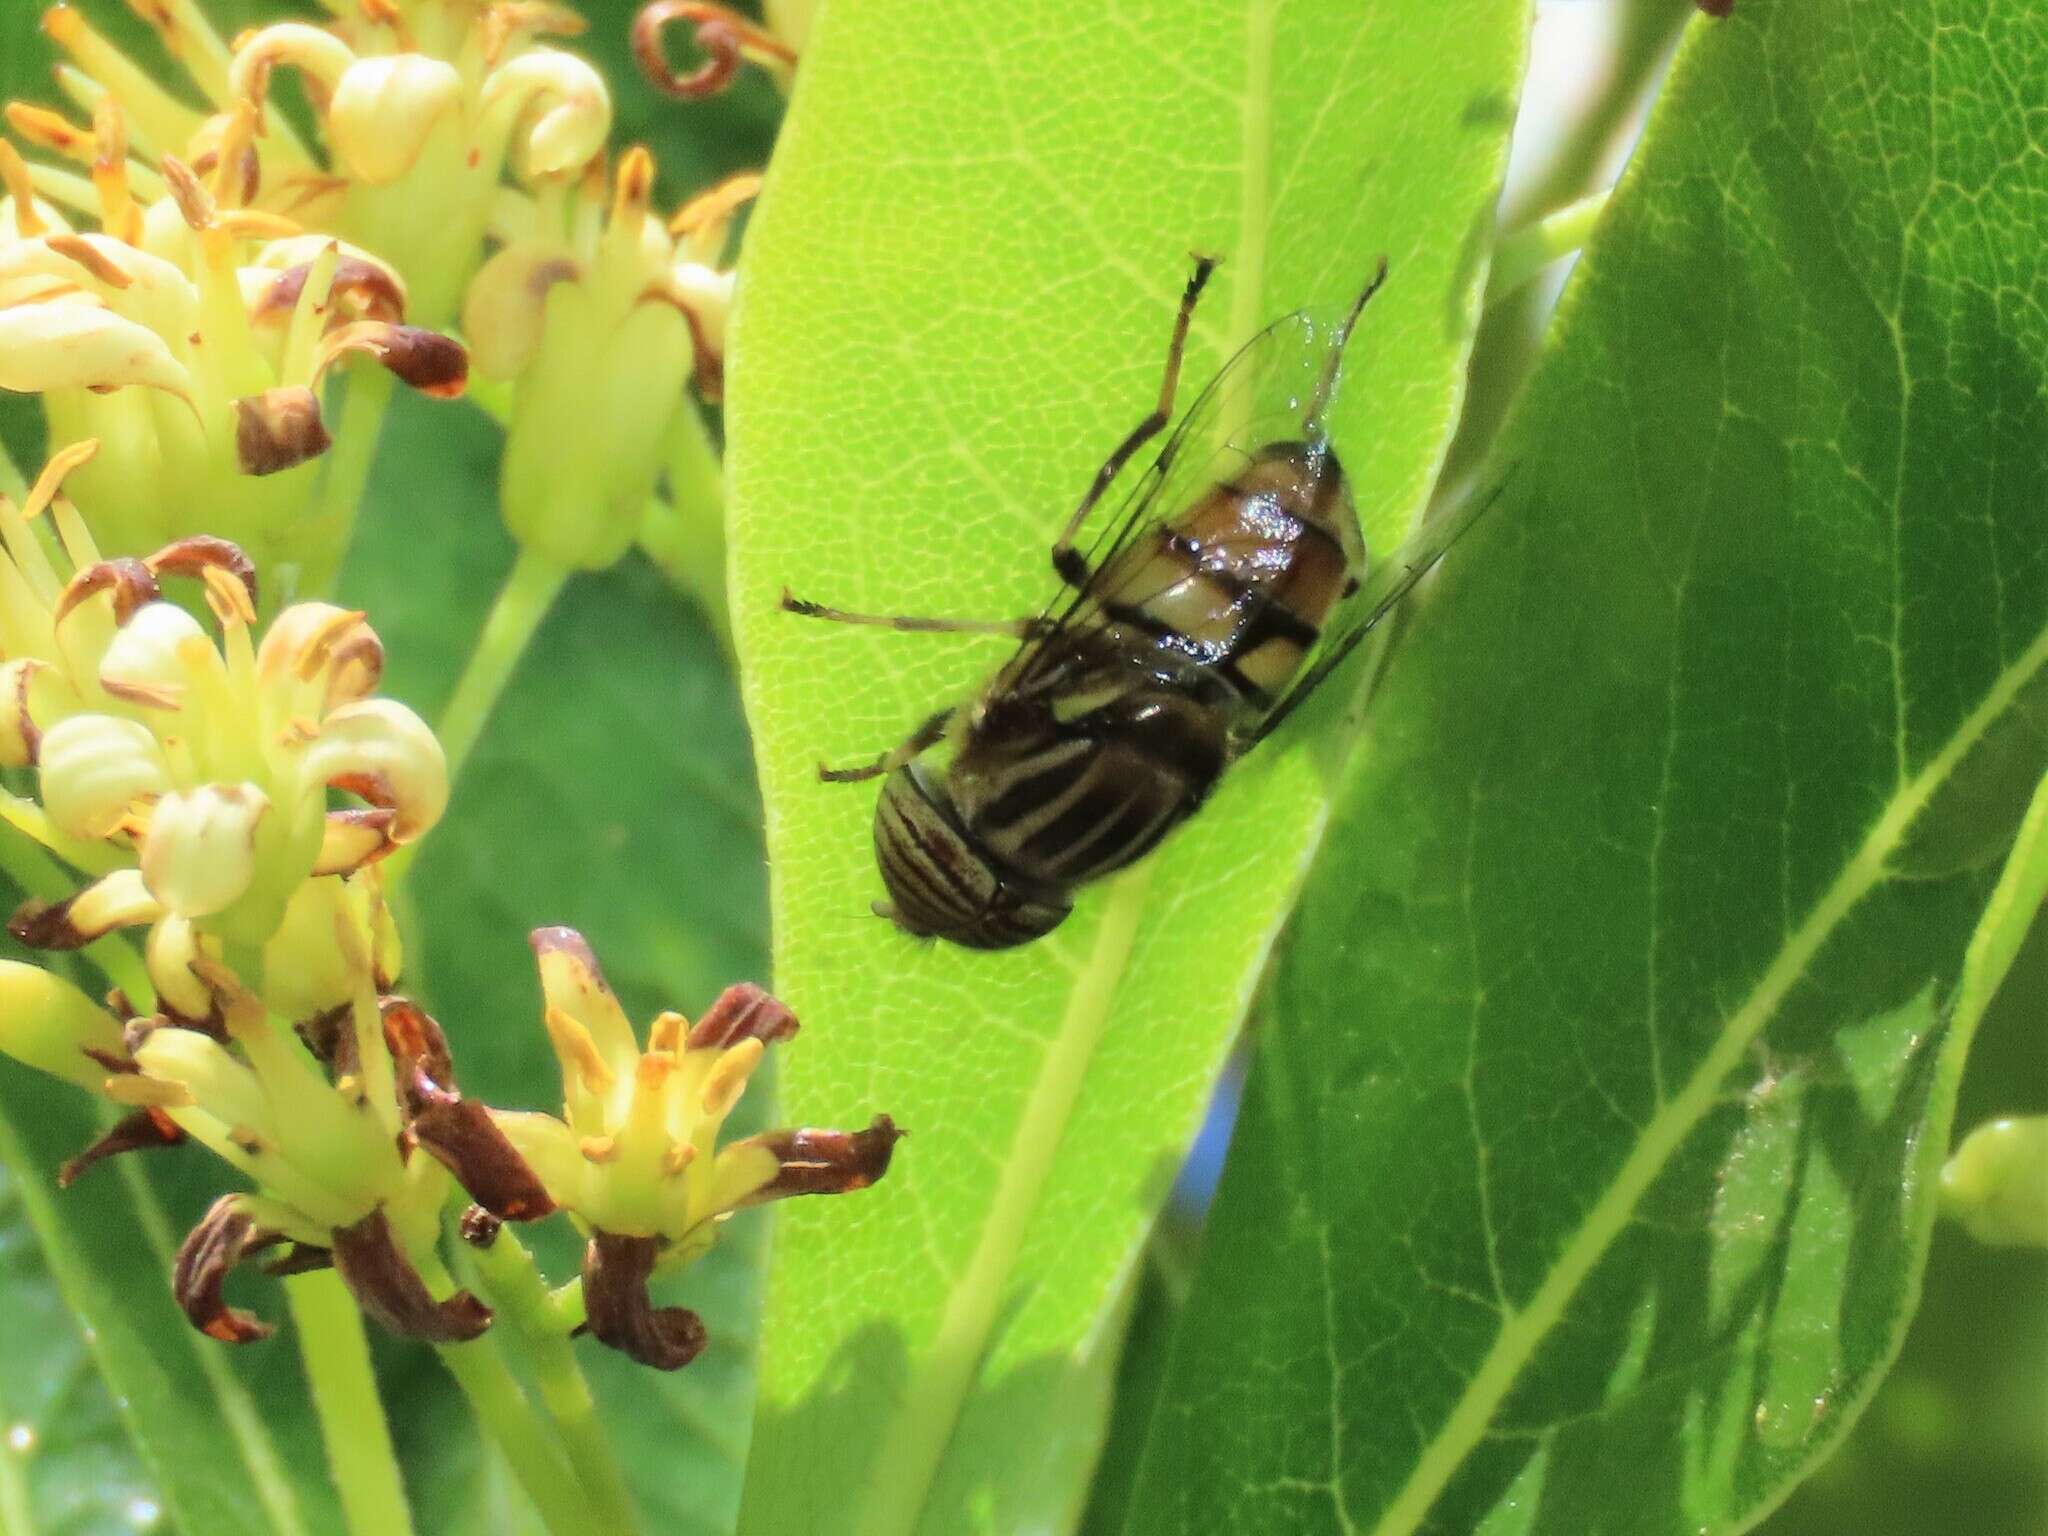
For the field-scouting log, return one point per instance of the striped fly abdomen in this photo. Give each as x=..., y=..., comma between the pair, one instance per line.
x=1241, y=584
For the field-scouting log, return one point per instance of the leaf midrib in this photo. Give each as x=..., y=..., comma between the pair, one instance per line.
x=914, y=1444
x=1525, y=1329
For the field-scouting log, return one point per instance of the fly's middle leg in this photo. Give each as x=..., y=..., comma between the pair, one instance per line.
x=1015, y=629
x=1071, y=564
x=925, y=737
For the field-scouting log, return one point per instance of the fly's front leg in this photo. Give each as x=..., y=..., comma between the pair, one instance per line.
x=1071, y=564
x=920, y=740
x=1016, y=629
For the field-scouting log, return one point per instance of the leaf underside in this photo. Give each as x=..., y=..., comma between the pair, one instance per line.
x=957, y=294
x=1584, y=1179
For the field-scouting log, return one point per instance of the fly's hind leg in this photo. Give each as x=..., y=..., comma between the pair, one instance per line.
x=922, y=739
x=1071, y=564
x=1016, y=629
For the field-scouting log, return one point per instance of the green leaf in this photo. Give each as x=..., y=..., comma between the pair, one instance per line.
x=1616, y=1053
x=956, y=298
x=1957, y=1437
x=611, y=792
x=67, y=1467
x=88, y=1260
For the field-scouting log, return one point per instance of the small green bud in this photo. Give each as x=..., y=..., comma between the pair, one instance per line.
x=1996, y=1183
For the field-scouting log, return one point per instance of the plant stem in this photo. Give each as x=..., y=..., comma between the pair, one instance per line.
x=352, y=1425
x=521, y=604
x=326, y=531
x=515, y=1287
x=1511, y=331
x=684, y=533
x=1530, y=249
x=501, y=1407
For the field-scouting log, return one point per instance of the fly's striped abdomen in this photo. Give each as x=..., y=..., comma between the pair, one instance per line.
x=1067, y=789
x=1240, y=584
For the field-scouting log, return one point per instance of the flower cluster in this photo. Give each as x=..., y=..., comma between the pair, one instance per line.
x=191, y=335
x=193, y=774
x=199, y=740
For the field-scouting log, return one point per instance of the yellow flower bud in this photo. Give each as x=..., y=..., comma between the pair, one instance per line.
x=200, y=852
x=383, y=110
x=95, y=768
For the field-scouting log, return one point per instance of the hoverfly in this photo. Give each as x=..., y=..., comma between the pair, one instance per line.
x=1177, y=645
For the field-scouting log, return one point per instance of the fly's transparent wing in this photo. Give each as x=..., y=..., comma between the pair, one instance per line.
x=1260, y=396
x=1382, y=591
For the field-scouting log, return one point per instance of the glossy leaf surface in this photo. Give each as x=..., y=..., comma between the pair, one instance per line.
x=956, y=297
x=1584, y=1180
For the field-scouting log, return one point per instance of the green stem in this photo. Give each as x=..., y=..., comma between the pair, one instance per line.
x=501, y=1407
x=567, y=1306
x=1511, y=331
x=528, y=593
x=1520, y=256
x=684, y=532
x=359, y=1452
x=326, y=533
x=15, y=487
x=515, y=1287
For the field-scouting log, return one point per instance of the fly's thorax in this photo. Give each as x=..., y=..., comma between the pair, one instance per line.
x=943, y=882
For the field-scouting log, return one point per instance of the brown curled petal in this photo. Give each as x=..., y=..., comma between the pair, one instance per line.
x=200, y=553
x=390, y=1291
x=620, y=1313
x=825, y=1162
x=127, y=578
x=461, y=1135
x=200, y=1271
x=48, y=925
x=352, y=839
x=719, y=44
x=723, y=36
x=1720, y=10
x=133, y=1133
x=742, y=1012
x=279, y=429
x=417, y=1044
x=431, y=363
